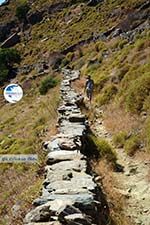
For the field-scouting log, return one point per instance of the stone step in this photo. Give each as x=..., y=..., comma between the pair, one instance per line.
x=58, y=156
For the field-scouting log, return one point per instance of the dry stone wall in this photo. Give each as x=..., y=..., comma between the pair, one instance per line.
x=69, y=195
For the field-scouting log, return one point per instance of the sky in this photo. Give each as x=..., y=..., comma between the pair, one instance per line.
x=1, y=1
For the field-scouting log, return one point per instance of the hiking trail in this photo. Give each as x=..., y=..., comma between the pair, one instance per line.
x=133, y=181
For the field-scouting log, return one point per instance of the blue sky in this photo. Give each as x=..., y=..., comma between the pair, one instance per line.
x=1, y=1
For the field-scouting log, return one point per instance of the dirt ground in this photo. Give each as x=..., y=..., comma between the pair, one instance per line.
x=128, y=191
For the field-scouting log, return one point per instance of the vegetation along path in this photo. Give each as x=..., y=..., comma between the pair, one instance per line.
x=132, y=181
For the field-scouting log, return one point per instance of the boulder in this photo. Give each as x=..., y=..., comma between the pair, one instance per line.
x=75, y=165
x=85, y=201
x=52, y=145
x=55, y=176
x=35, y=17
x=63, y=142
x=58, y=156
x=65, y=110
x=76, y=117
x=67, y=144
x=39, y=214
x=73, y=129
x=55, y=59
x=77, y=219
x=57, y=209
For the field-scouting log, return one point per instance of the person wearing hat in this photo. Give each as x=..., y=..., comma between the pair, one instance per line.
x=89, y=86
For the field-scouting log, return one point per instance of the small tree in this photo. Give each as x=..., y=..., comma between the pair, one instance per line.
x=9, y=56
x=47, y=84
x=7, y=59
x=22, y=10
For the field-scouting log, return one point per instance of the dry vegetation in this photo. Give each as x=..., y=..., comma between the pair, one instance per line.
x=117, y=119
x=22, y=131
x=115, y=200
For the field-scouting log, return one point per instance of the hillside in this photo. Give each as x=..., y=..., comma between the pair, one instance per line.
x=107, y=39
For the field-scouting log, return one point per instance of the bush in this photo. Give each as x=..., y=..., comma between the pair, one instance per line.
x=47, y=84
x=132, y=145
x=108, y=93
x=7, y=59
x=3, y=74
x=104, y=149
x=119, y=139
x=22, y=10
x=137, y=93
x=9, y=56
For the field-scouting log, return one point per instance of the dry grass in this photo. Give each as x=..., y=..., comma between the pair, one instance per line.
x=116, y=119
x=29, y=122
x=11, y=190
x=115, y=200
x=79, y=85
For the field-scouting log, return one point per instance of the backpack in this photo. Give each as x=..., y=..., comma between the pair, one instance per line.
x=89, y=84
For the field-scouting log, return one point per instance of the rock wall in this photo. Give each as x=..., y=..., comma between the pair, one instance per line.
x=70, y=196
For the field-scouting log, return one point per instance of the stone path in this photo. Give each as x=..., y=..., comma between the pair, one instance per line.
x=133, y=182
x=69, y=195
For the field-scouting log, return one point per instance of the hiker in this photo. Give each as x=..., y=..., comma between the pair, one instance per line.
x=89, y=86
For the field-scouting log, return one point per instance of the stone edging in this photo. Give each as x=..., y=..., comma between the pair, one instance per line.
x=69, y=194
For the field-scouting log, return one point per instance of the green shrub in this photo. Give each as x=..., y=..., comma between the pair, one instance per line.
x=22, y=10
x=138, y=92
x=132, y=145
x=7, y=59
x=3, y=74
x=104, y=149
x=119, y=139
x=106, y=95
x=47, y=84
x=9, y=56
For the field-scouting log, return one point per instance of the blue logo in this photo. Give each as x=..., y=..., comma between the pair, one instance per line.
x=13, y=93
